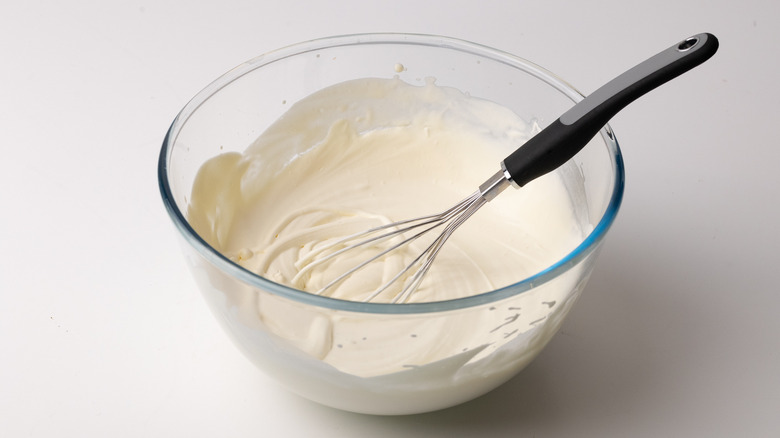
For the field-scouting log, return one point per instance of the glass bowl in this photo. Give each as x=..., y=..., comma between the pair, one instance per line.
x=233, y=111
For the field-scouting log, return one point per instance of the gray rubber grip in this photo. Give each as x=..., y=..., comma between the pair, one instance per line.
x=634, y=75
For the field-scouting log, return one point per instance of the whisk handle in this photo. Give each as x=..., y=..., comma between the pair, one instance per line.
x=562, y=139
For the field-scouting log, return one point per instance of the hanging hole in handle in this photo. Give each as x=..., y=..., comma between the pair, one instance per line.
x=688, y=44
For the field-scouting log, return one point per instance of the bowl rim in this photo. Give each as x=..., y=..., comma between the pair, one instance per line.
x=585, y=248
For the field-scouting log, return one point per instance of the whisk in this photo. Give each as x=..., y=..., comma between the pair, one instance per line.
x=543, y=153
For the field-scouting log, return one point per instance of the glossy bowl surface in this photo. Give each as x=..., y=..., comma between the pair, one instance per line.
x=233, y=110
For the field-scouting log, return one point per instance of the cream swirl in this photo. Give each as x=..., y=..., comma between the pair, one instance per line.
x=372, y=151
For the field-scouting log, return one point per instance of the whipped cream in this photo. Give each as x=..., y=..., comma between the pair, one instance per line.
x=373, y=151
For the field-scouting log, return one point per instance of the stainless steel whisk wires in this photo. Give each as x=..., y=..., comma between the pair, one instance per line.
x=451, y=219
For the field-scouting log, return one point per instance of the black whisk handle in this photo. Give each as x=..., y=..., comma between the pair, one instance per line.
x=562, y=139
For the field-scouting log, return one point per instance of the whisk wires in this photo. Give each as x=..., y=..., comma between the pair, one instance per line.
x=451, y=219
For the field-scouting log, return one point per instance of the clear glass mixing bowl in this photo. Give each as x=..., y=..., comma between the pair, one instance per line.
x=234, y=110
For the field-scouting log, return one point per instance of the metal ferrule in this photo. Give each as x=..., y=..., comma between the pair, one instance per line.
x=495, y=184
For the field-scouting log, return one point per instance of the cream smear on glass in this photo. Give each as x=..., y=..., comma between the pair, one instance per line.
x=372, y=151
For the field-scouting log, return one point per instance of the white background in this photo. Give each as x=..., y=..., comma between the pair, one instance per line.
x=103, y=333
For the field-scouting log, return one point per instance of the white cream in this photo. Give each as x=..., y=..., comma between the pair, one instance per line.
x=372, y=151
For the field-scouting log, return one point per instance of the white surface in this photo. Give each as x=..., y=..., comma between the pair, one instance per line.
x=104, y=334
